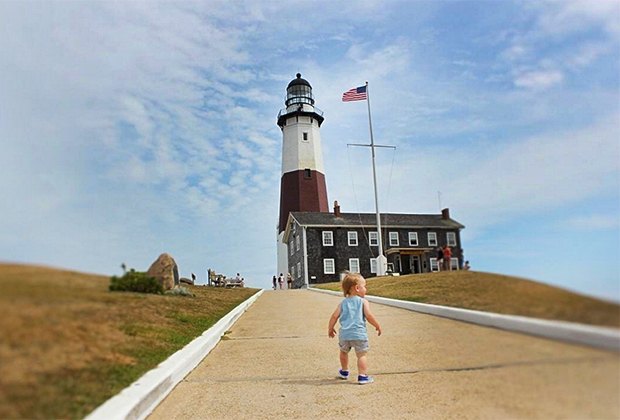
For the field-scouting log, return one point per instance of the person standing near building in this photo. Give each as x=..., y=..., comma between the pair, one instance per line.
x=439, y=258
x=275, y=280
x=447, y=255
x=280, y=280
x=289, y=281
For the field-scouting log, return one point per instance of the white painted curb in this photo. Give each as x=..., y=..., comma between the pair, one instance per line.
x=601, y=337
x=139, y=399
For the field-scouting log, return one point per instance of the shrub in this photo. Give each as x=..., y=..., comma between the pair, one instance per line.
x=135, y=281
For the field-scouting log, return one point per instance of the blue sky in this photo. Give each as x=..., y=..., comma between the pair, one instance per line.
x=129, y=129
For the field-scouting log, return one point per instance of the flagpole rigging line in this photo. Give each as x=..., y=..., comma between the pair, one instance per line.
x=357, y=207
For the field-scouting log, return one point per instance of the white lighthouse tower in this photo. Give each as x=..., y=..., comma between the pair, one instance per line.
x=302, y=186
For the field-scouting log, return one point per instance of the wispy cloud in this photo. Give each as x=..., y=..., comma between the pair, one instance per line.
x=594, y=222
x=539, y=79
x=129, y=129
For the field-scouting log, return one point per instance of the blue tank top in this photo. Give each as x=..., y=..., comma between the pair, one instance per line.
x=352, y=319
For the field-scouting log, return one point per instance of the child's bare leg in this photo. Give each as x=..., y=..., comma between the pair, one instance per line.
x=344, y=360
x=362, y=367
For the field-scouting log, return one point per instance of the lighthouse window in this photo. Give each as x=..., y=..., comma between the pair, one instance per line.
x=305, y=136
x=307, y=173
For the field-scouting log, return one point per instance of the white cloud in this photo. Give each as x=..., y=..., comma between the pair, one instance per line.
x=594, y=222
x=587, y=54
x=539, y=80
x=560, y=17
x=490, y=185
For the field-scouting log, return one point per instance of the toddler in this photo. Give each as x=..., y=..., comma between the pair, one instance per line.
x=353, y=312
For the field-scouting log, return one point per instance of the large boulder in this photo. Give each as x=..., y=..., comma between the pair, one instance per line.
x=165, y=271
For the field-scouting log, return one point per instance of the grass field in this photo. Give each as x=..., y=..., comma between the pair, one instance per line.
x=68, y=344
x=494, y=293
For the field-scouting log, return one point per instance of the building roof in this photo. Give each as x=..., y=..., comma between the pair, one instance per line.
x=388, y=220
x=299, y=81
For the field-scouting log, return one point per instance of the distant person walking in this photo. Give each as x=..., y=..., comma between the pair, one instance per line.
x=280, y=280
x=466, y=266
x=275, y=280
x=439, y=258
x=353, y=311
x=289, y=281
x=447, y=255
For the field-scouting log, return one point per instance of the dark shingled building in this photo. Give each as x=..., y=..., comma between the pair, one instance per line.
x=321, y=245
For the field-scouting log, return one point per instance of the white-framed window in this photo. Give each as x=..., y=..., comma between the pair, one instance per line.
x=434, y=264
x=291, y=248
x=432, y=238
x=297, y=241
x=352, y=236
x=393, y=238
x=373, y=238
x=328, y=266
x=373, y=265
x=454, y=263
x=451, y=238
x=298, y=270
x=354, y=265
x=305, y=136
x=292, y=271
x=328, y=238
x=413, y=238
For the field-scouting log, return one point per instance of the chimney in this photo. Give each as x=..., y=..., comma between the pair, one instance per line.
x=336, y=209
x=445, y=214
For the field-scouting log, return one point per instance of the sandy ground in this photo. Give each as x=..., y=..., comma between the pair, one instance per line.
x=277, y=362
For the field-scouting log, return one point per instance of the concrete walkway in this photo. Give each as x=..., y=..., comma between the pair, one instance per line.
x=277, y=362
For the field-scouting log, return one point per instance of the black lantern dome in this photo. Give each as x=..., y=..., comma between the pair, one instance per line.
x=299, y=91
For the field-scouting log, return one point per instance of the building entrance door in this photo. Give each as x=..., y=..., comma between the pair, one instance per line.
x=414, y=260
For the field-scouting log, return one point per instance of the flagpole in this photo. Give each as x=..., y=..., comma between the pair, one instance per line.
x=381, y=260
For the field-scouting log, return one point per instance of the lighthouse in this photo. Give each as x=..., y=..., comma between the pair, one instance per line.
x=302, y=185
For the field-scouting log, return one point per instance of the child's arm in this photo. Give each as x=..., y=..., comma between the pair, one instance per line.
x=370, y=317
x=331, y=332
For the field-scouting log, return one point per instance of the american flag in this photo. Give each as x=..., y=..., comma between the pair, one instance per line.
x=355, y=94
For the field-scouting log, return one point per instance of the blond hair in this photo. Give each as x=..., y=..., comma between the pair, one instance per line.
x=350, y=280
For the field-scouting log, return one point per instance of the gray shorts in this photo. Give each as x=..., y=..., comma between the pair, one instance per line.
x=360, y=346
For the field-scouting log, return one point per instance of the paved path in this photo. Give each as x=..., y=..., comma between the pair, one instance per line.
x=277, y=362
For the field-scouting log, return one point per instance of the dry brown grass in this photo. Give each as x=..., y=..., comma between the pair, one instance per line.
x=68, y=344
x=495, y=293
